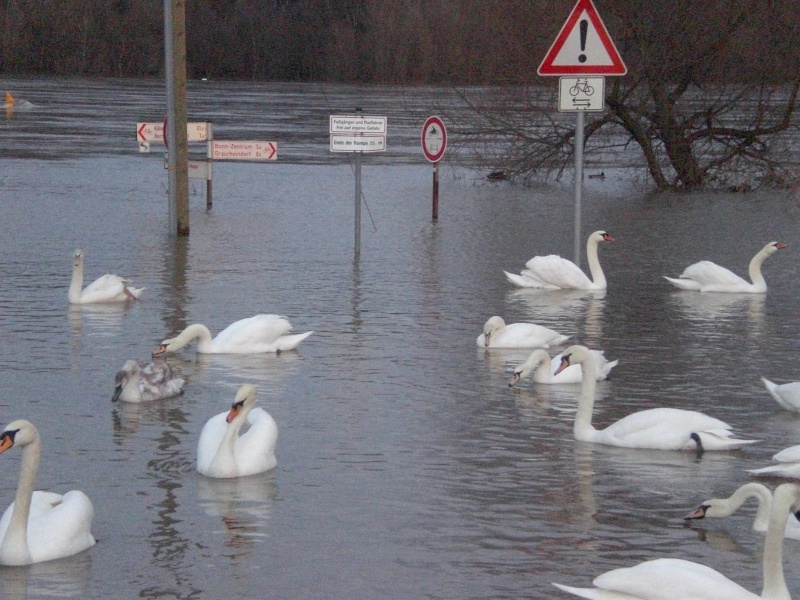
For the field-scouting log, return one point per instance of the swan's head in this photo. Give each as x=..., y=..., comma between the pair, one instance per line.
x=773, y=247
x=122, y=377
x=573, y=355
x=77, y=258
x=245, y=400
x=17, y=433
x=164, y=347
x=536, y=358
x=709, y=508
x=491, y=326
x=601, y=236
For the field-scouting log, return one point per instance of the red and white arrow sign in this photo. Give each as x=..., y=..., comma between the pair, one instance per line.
x=235, y=150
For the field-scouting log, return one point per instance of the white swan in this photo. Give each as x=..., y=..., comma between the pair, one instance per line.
x=724, y=507
x=261, y=333
x=543, y=368
x=496, y=334
x=673, y=578
x=108, y=288
x=222, y=452
x=706, y=276
x=656, y=428
x=140, y=382
x=40, y=526
x=556, y=273
x=785, y=394
x=788, y=464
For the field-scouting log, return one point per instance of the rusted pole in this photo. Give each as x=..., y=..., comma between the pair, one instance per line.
x=436, y=190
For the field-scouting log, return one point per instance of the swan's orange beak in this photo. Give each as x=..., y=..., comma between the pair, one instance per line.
x=160, y=350
x=564, y=364
x=234, y=411
x=607, y=237
x=697, y=514
x=780, y=245
x=6, y=441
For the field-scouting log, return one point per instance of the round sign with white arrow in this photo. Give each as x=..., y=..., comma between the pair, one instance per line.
x=434, y=139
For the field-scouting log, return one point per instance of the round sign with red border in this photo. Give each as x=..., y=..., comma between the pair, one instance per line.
x=434, y=139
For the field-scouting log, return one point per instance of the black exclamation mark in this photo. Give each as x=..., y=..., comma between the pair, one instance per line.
x=584, y=25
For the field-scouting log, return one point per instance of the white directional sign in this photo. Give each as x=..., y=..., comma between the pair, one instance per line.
x=154, y=132
x=341, y=142
x=257, y=151
x=358, y=124
x=581, y=94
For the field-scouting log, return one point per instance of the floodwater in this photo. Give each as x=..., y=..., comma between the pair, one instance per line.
x=407, y=468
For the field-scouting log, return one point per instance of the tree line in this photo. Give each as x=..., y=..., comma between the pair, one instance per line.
x=450, y=42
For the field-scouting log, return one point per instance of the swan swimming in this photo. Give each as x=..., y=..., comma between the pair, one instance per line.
x=556, y=273
x=543, y=367
x=261, y=333
x=40, y=526
x=496, y=334
x=724, y=507
x=140, y=382
x=788, y=464
x=706, y=276
x=785, y=394
x=223, y=453
x=107, y=288
x=675, y=578
x=656, y=428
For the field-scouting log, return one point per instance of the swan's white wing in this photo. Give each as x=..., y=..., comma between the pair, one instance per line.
x=790, y=454
x=526, y=280
x=108, y=288
x=525, y=335
x=254, y=334
x=63, y=530
x=558, y=272
x=669, y=429
x=672, y=578
x=708, y=273
x=210, y=439
x=786, y=394
x=255, y=449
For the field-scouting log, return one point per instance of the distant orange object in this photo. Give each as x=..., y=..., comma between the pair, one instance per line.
x=9, y=98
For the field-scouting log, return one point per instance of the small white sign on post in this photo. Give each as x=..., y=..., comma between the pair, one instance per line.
x=357, y=143
x=358, y=124
x=581, y=94
x=234, y=150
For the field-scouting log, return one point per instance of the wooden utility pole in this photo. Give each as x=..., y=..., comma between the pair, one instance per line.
x=176, y=122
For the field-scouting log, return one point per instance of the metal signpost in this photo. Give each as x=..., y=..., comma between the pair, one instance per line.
x=358, y=134
x=581, y=55
x=434, y=143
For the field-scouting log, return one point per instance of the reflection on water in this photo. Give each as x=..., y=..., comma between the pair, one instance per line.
x=409, y=468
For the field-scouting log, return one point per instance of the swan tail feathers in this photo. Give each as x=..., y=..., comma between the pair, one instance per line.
x=590, y=593
x=134, y=293
x=606, y=370
x=519, y=280
x=772, y=388
x=290, y=342
x=683, y=283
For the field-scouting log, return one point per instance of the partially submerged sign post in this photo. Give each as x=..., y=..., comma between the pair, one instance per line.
x=582, y=53
x=434, y=143
x=358, y=134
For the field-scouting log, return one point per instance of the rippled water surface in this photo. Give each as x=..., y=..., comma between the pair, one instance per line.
x=407, y=468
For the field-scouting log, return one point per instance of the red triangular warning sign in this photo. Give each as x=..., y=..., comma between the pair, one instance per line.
x=583, y=46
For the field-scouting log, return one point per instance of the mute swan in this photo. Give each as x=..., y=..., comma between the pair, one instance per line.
x=556, y=273
x=222, y=452
x=138, y=382
x=785, y=394
x=40, y=526
x=706, y=276
x=108, y=288
x=788, y=464
x=656, y=428
x=261, y=333
x=543, y=368
x=496, y=334
x=673, y=578
x=724, y=507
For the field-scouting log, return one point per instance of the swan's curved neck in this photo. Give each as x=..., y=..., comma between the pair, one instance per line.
x=583, y=429
x=192, y=332
x=728, y=506
x=598, y=277
x=774, y=581
x=755, y=269
x=224, y=461
x=538, y=363
x=14, y=547
x=76, y=284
